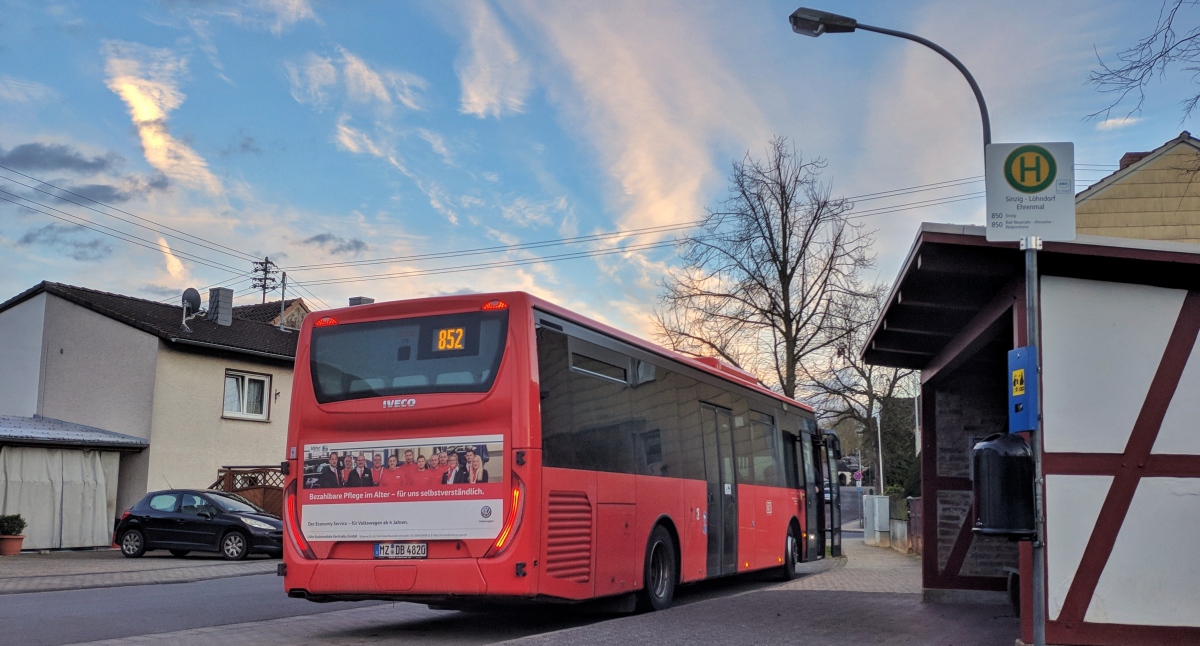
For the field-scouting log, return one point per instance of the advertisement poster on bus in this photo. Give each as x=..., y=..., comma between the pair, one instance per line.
x=411, y=489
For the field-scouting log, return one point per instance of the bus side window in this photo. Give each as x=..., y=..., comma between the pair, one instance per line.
x=553, y=376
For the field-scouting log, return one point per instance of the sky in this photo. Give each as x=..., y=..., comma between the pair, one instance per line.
x=399, y=150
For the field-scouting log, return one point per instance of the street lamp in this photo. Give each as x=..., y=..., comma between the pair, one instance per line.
x=812, y=22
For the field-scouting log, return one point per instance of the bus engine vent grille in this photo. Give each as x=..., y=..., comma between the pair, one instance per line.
x=569, y=536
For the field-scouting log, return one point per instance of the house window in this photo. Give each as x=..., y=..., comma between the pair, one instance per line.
x=246, y=395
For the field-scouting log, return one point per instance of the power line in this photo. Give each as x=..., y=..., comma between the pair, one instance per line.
x=127, y=237
x=227, y=250
x=501, y=248
x=229, y=282
x=494, y=265
x=306, y=291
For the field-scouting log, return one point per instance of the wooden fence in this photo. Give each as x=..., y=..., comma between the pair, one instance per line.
x=260, y=485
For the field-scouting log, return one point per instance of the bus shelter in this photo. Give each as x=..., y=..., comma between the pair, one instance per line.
x=1120, y=318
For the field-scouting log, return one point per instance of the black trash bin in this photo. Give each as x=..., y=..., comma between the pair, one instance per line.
x=1003, y=487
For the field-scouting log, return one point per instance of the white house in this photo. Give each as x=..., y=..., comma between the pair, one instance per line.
x=104, y=397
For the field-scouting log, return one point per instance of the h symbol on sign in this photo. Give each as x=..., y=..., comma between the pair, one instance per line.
x=1036, y=168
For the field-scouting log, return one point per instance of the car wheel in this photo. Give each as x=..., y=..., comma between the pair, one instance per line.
x=234, y=546
x=791, y=555
x=133, y=543
x=660, y=572
x=180, y=553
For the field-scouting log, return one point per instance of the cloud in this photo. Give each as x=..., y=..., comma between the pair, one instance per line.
x=286, y=12
x=646, y=86
x=436, y=143
x=310, y=79
x=362, y=83
x=275, y=16
x=145, y=78
x=525, y=213
x=244, y=144
x=336, y=245
x=365, y=85
x=493, y=76
x=1117, y=123
x=38, y=156
x=356, y=141
x=132, y=188
x=174, y=267
x=65, y=239
x=314, y=78
x=15, y=90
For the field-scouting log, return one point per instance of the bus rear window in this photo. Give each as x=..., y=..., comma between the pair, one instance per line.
x=452, y=353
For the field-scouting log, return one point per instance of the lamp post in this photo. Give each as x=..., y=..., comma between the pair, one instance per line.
x=812, y=22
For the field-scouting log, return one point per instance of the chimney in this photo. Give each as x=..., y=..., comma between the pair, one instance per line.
x=220, y=305
x=1128, y=159
x=360, y=300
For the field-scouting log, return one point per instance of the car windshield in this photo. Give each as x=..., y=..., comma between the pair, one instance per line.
x=453, y=353
x=235, y=503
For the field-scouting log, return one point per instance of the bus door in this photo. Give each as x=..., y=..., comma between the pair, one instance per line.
x=814, y=499
x=833, y=451
x=717, y=427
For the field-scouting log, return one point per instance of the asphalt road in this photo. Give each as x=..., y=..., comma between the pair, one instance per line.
x=51, y=618
x=55, y=618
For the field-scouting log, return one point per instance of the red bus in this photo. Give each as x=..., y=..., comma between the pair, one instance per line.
x=498, y=447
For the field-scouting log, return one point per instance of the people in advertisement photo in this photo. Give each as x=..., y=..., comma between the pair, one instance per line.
x=388, y=467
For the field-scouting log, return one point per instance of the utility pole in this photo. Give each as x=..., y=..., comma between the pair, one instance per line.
x=282, y=299
x=264, y=278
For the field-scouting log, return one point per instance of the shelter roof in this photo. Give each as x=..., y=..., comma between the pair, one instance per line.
x=952, y=273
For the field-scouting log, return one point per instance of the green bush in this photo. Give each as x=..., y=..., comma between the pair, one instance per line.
x=12, y=525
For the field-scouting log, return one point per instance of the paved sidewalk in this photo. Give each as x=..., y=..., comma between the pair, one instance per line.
x=74, y=570
x=866, y=569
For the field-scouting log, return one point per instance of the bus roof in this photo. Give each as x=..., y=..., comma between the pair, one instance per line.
x=709, y=365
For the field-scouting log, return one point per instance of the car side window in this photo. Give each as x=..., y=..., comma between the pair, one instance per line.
x=195, y=505
x=164, y=502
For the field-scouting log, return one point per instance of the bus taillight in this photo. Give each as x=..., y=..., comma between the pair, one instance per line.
x=291, y=508
x=494, y=305
x=325, y=321
x=516, y=509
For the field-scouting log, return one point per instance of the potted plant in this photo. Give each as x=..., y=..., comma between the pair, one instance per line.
x=10, y=534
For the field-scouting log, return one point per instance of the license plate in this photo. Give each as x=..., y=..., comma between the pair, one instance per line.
x=400, y=550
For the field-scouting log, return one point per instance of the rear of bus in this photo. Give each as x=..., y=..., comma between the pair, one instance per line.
x=408, y=454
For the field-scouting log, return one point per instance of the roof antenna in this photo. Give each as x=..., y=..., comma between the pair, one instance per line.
x=191, y=307
x=169, y=485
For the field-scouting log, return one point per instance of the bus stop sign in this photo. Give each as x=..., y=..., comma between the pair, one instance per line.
x=1030, y=191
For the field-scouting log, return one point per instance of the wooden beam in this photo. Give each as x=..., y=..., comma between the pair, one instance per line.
x=976, y=334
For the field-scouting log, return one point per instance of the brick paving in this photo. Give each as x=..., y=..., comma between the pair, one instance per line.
x=866, y=569
x=74, y=570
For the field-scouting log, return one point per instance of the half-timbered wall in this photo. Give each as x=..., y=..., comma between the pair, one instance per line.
x=1122, y=462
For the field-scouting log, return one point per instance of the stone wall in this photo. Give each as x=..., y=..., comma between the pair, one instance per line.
x=970, y=405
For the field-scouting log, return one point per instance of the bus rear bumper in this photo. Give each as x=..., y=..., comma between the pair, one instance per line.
x=364, y=579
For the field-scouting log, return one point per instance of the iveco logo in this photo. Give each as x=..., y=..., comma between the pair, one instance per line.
x=399, y=403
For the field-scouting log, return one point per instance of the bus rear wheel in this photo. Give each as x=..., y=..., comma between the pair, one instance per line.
x=660, y=572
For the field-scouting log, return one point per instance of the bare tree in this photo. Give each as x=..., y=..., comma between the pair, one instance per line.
x=770, y=280
x=1151, y=57
x=841, y=386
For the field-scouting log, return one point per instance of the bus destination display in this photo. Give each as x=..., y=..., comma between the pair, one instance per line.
x=452, y=338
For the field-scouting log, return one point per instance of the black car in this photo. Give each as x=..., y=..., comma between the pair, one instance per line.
x=185, y=520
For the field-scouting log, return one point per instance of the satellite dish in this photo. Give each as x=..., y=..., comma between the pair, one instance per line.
x=191, y=301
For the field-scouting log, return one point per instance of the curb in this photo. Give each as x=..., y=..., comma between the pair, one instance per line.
x=64, y=582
